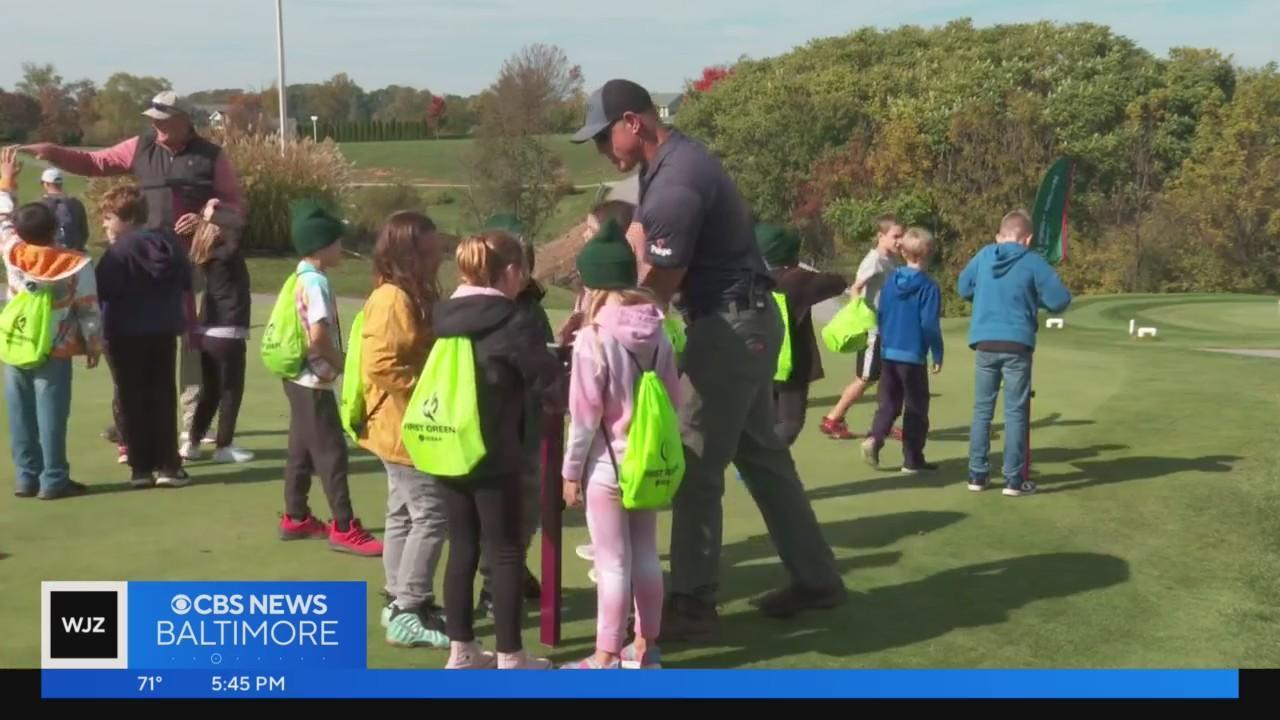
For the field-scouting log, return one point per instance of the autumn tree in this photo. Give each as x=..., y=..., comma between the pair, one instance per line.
x=513, y=168
x=120, y=104
x=19, y=116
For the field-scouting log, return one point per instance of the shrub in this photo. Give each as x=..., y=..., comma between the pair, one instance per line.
x=370, y=206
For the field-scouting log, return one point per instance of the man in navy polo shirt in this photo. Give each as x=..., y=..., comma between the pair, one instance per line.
x=700, y=242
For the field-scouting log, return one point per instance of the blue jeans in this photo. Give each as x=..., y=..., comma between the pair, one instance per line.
x=1015, y=371
x=39, y=406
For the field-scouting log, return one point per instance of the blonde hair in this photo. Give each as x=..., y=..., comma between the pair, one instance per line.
x=207, y=235
x=916, y=244
x=483, y=258
x=1020, y=219
x=596, y=300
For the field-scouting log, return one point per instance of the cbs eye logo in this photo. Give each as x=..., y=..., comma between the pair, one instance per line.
x=180, y=604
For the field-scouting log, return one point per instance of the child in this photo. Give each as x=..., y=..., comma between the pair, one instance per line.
x=529, y=303
x=910, y=308
x=621, y=212
x=1007, y=284
x=395, y=342
x=316, y=439
x=39, y=398
x=622, y=336
x=803, y=289
x=142, y=279
x=215, y=254
x=511, y=358
x=867, y=284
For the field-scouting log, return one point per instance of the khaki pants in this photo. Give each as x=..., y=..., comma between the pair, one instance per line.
x=728, y=416
x=189, y=373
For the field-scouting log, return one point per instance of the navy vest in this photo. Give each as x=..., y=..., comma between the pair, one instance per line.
x=174, y=185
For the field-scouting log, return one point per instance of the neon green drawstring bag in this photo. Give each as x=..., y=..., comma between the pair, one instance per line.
x=848, y=330
x=351, y=409
x=441, y=428
x=784, y=356
x=284, y=342
x=674, y=328
x=653, y=466
x=26, y=332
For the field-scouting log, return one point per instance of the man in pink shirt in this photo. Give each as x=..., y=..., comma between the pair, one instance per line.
x=179, y=172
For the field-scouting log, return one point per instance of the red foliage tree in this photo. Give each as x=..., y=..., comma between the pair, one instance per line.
x=19, y=116
x=711, y=76
x=435, y=113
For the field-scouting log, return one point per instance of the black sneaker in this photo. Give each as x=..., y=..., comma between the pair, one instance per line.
x=794, y=599
x=483, y=607
x=432, y=616
x=70, y=488
x=141, y=481
x=689, y=619
x=532, y=588
x=25, y=493
x=917, y=469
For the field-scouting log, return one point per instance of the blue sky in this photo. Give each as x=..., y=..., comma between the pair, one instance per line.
x=459, y=45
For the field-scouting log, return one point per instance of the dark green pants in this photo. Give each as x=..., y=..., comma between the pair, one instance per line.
x=728, y=416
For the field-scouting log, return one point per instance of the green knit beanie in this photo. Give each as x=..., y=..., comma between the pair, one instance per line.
x=314, y=227
x=779, y=245
x=606, y=261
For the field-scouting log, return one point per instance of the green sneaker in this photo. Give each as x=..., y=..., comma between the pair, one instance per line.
x=406, y=630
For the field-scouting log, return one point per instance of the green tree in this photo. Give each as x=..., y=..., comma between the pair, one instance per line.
x=120, y=105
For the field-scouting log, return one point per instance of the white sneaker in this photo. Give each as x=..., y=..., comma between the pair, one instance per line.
x=232, y=454
x=586, y=552
x=978, y=487
x=522, y=661
x=1026, y=488
x=173, y=480
x=209, y=440
x=469, y=656
x=591, y=575
x=189, y=451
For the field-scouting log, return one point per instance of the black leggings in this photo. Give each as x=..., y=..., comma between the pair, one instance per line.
x=222, y=364
x=493, y=512
x=146, y=369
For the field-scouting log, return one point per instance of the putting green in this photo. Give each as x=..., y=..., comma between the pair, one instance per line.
x=1151, y=544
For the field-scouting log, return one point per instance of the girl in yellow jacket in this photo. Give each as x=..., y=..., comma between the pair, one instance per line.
x=395, y=343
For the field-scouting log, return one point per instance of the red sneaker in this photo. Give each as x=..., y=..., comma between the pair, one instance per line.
x=291, y=529
x=356, y=540
x=836, y=429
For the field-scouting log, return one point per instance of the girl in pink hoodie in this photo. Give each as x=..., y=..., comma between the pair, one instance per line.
x=621, y=337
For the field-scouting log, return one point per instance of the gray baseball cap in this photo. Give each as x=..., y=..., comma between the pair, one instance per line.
x=165, y=105
x=608, y=104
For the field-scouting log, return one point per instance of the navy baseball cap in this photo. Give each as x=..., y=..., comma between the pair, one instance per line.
x=607, y=105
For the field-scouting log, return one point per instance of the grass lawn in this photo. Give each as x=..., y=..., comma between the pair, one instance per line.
x=456, y=218
x=1152, y=543
x=448, y=161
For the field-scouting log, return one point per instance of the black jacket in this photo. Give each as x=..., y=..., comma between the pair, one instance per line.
x=512, y=360
x=141, y=281
x=804, y=289
x=226, y=296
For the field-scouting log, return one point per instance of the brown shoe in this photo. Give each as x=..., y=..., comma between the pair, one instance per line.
x=688, y=619
x=794, y=599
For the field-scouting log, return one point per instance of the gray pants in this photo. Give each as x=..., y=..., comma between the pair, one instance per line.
x=415, y=535
x=728, y=417
x=189, y=368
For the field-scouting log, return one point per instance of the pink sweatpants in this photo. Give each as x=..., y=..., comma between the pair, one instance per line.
x=626, y=552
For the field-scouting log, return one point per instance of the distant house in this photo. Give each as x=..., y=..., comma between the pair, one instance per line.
x=668, y=105
x=208, y=115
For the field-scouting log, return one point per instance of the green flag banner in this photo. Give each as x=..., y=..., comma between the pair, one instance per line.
x=1049, y=219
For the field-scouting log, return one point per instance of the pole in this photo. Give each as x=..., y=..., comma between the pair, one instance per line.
x=284, y=103
x=315, y=133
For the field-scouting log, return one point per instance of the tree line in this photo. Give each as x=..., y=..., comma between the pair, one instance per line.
x=43, y=106
x=1177, y=185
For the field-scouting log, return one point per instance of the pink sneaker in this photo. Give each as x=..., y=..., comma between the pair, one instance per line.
x=522, y=661
x=469, y=656
x=356, y=540
x=307, y=529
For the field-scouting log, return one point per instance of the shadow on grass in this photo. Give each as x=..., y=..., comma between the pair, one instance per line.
x=1124, y=469
x=910, y=613
x=961, y=433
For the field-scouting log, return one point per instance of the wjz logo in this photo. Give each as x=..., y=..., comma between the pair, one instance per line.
x=83, y=625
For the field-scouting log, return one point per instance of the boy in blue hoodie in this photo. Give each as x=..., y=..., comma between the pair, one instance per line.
x=910, y=308
x=1008, y=284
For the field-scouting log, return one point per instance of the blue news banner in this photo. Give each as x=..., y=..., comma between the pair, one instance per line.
x=107, y=640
